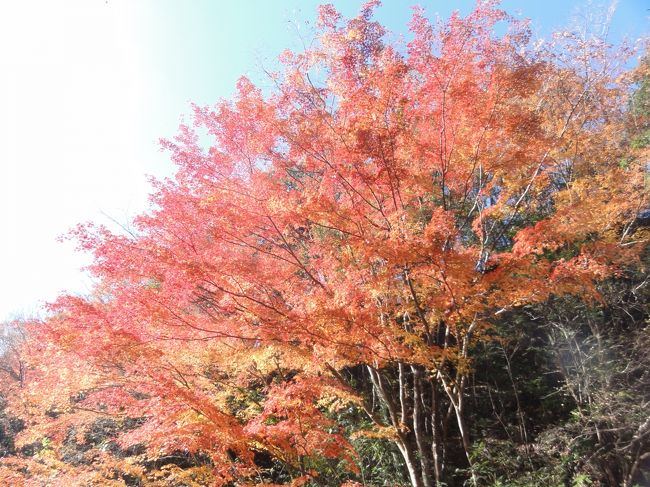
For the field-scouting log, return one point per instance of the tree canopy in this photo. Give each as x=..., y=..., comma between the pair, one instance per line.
x=334, y=269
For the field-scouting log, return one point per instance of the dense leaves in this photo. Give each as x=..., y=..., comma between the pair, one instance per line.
x=400, y=265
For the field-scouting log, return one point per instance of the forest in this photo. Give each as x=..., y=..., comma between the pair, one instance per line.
x=413, y=263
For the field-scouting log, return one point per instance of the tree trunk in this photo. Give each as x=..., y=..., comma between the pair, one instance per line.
x=436, y=426
x=402, y=442
x=418, y=416
x=455, y=393
x=464, y=435
x=409, y=459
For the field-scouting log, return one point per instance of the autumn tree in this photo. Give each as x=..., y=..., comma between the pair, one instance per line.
x=347, y=241
x=12, y=365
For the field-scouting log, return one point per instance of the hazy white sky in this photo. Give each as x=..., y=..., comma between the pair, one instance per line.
x=88, y=86
x=86, y=89
x=73, y=104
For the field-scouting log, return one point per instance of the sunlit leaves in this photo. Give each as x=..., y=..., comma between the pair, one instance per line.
x=381, y=206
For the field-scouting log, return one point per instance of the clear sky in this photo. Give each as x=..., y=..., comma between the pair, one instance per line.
x=88, y=86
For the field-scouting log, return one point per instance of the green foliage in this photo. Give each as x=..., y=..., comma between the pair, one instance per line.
x=641, y=140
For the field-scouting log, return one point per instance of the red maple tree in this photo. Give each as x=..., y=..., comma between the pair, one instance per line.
x=376, y=213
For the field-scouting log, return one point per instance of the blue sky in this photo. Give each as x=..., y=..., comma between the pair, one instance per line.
x=88, y=87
